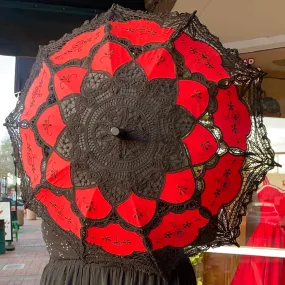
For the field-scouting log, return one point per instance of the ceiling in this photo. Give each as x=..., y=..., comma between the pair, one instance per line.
x=255, y=28
x=235, y=21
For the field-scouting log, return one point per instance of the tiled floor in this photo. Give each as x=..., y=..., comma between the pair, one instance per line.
x=30, y=251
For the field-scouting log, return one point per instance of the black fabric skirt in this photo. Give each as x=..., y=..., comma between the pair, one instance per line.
x=65, y=268
x=72, y=272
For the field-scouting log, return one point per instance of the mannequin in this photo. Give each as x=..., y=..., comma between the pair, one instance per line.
x=269, y=232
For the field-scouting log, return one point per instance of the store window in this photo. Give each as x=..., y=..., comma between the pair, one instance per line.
x=261, y=258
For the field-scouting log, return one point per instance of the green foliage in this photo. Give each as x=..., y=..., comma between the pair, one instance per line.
x=11, y=187
x=6, y=159
x=196, y=260
x=199, y=281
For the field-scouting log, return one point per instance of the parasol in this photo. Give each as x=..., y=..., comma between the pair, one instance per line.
x=140, y=139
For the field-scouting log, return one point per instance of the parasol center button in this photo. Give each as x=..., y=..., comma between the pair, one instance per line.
x=117, y=132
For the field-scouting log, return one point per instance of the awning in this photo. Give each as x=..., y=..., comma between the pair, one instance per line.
x=23, y=68
x=26, y=25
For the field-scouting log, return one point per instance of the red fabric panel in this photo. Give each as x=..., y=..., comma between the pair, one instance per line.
x=37, y=94
x=232, y=117
x=157, y=63
x=179, y=187
x=141, y=32
x=59, y=209
x=193, y=96
x=116, y=240
x=222, y=183
x=79, y=47
x=110, y=57
x=178, y=230
x=137, y=211
x=31, y=156
x=50, y=125
x=68, y=81
x=201, y=144
x=269, y=232
x=202, y=58
x=276, y=197
x=58, y=171
x=92, y=203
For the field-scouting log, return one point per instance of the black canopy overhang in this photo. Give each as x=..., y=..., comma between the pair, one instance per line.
x=26, y=25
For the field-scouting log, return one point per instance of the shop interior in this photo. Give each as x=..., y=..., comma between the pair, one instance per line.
x=262, y=237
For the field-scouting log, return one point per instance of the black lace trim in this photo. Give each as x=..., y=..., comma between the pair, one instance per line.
x=223, y=229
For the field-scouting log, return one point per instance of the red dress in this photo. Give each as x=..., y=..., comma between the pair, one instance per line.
x=259, y=270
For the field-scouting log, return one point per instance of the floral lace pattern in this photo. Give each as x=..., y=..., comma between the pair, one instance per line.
x=178, y=178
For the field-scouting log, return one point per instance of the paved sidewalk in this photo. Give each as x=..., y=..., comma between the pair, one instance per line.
x=30, y=253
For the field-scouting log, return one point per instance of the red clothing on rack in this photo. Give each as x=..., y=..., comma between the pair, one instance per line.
x=270, y=232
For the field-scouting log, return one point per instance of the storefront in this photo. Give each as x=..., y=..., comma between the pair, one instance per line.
x=256, y=29
x=261, y=258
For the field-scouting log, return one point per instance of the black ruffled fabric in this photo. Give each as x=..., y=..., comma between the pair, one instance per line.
x=65, y=268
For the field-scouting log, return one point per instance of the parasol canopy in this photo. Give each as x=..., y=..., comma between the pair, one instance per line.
x=140, y=139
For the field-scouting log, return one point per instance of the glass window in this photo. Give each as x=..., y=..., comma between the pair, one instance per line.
x=261, y=258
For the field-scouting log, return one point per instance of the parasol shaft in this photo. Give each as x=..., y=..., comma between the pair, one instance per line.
x=119, y=133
